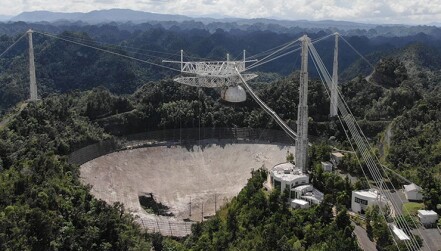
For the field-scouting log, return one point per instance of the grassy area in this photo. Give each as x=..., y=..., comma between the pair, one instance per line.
x=412, y=208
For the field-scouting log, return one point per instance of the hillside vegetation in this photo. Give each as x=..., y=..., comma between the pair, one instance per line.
x=90, y=96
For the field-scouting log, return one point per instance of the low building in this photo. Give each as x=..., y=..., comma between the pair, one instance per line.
x=362, y=199
x=307, y=193
x=298, y=203
x=314, y=197
x=327, y=166
x=428, y=217
x=336, y=157
x=413, y=192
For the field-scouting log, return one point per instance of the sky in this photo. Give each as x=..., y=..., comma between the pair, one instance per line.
x=366, y=11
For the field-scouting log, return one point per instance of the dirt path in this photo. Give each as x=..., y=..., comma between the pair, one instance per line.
x=11, y=115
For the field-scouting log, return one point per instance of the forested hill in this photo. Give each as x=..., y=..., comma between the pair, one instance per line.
x=63, y=67
x=134, y=20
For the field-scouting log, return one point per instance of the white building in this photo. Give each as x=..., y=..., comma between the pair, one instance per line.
x=298, y=203
x=287, y=176
x=336, y=157
x=428, y=217
x=327, y=166
x=361, y=200
x=413, y=192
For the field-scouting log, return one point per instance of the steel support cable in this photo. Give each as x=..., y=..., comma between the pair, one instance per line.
x=261, y=62
x=277, y=51
x=274, y=57
x=267, y=51
x=383, y=169
x=407, y=227
x=357, y=136
x=322, y=38
x=393, y=187
x=356, y=51
x=274, y=48
x=380, y=184
x=110, y=52
x=374, y=172
x=90, y=42
x=12, y=45
x=128, y=47
x=132, y=50
x=110, y=44
x=352, y=146
x=262, y=104
x=277, y=57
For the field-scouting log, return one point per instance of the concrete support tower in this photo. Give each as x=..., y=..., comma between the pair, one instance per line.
x=334, y=86
x=302, y=116
x=33, y=81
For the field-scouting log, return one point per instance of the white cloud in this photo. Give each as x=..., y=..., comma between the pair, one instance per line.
x=376, y=11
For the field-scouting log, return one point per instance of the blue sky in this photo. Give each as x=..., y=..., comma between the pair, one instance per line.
x=368, y=11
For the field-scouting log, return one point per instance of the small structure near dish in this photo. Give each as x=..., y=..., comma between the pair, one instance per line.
x=413, y=192
x=298, y=203
x=287, y=176
x=326, y=166
x=428, y=217
x=362, y=199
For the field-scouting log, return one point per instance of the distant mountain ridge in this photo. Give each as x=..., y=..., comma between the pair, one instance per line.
x=98, y=16
x=126, y=15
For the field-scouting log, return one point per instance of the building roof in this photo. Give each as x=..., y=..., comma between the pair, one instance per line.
x=400, y=234
x=371, y=193
x=303, y=187
x=315, y=196
x=288, y=172
x=284, y=166
x=326, y=163
x=411, y=187
x=338, y=154
x=300, y=202
x=427, y=212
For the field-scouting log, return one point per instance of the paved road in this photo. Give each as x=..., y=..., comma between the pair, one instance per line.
x=399, y=198
x=432, y=237
x=364, y=241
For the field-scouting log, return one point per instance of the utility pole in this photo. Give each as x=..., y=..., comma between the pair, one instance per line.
x=334, y=86
x=215, y=200
x=32, y=78
x=202, y=212
x=189, y=205
x=302, y=116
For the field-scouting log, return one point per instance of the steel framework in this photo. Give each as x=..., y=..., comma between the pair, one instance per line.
x=212, y=74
